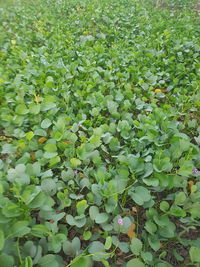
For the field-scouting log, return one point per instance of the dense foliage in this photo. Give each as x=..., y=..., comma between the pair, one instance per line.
x=99, y=131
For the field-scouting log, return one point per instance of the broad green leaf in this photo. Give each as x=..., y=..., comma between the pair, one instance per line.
x=150, y=227
x=50, y=148
x=97, y=249
x=46, y=123
x=82, y=261
x=19, y=229
x=48, y=260
x=93, y=211
x=180, y=198
x=75, y=162
x=164, y=206
x=6, y=260
x=101, y=218
x=135, y=263
x=194, y=254
x=136, y=246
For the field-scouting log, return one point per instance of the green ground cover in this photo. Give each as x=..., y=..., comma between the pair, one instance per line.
x=99, y=131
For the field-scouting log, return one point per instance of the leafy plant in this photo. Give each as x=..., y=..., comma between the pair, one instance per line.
x=99, y=132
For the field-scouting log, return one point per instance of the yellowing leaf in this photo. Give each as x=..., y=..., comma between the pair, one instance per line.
x=158, y=91
x=22, y=144
x=41, y=140
x=1, y=80
x=66, y=141
x=13, y=42
x=37, y=99
x=29, y=135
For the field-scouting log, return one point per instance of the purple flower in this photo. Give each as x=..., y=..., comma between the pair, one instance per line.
x=195, y=171
x=120, y=221
x=75, y=172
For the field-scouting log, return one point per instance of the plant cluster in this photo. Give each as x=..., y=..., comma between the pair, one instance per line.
x=99, y=131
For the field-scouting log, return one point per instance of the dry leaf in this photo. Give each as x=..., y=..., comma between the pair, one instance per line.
x=134, y=210
x=131, y=231
x=32, y=155
x=66, y=141
x=190, y=184
x=41, y=140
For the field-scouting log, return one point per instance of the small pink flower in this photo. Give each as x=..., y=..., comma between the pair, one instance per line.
x=195, y=171
x=120, y=221
x=75, y=172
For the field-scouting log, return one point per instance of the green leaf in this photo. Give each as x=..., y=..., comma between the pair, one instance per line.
x=150, y=227
x=49, y=186
x=164, y=206
x=82, y=261
x=140, y=195
x=76, y=244
x=6, y=260
x=177, y=211
x=21, y=109
x=48, y=260
x=34, y=108
x=168, y=231
x=46, y=123
x=75, y=162
x=147, y=256
x=195, y=210
x=136, y=246
x=97, y=248
x=101, y=218
x=180, y=198
x=2, y=240
x=27, y=262
x=53, y=161
x=154, y=242
x=49, y=82
x=39, y=230
x=19, y=229
x=194, y=254
x=108, y=242
x=79, y=222
x=93, y=211
x=185, y=170
x=135, y=263
x=50, y=148
x=95, y=140
x=114, y=144
x=87, y=235
x=163, y=264
x=162, y=164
